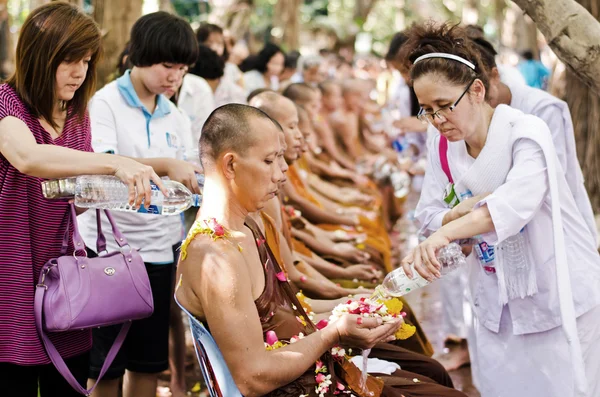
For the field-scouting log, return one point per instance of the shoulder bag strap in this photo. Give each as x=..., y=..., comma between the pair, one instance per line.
x=443, y=148
x=54, y=355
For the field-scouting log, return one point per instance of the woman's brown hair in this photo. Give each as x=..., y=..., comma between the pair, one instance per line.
x=429, y=37
x=54, y=33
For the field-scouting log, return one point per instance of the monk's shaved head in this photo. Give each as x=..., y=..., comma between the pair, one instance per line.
x=300, y=93
x=229, y=128
x=273, y=104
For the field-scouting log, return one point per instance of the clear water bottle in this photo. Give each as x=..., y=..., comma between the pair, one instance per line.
x=397, y=283
x=108, y=192
x=485, y=252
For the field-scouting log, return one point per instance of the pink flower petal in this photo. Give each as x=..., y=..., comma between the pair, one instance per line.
x=340, y=386
x=271, y=338
x=303, y=279
x=322, y=324
x=281, y=276
x=320, y=377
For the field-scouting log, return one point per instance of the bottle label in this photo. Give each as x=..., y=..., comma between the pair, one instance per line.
x=406, y=285
x=485, y=252
x=156, y=205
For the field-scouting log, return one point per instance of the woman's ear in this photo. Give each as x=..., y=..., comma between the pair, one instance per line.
x=478, y=91
x=228, y=163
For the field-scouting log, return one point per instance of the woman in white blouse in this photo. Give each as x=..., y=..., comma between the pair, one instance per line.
x=537, y=301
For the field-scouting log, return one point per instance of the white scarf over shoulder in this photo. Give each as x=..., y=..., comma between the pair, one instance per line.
x=487, y=173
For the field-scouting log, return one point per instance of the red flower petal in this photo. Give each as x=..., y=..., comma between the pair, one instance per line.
x=322, y=324
x=271, y=338
x=281, y=276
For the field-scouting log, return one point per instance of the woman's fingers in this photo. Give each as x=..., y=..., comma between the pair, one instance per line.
x=406, y=262
x=431, y=261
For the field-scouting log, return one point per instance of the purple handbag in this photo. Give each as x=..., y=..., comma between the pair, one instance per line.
x=77, y=292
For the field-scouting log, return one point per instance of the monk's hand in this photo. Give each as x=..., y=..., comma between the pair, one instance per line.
x=365, y=332
x=362, y=272
x=184, y=173
x=350, y=253
x=423, y=258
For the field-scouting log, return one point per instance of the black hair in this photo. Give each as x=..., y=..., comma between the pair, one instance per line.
x=161, y=37
x=397, y=42
x=248, y=64
x=124, y=62
x=228, y=128
x=486, y=49
x=430, y=37
x=204, y=32
x=265, y=55
x=209, y=65
x=291, y=60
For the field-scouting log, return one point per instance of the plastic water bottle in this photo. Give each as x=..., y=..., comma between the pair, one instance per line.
x=108, y=192
x=397, y=283
x=485, y=252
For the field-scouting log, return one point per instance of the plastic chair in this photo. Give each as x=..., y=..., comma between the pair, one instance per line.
x=218, y=379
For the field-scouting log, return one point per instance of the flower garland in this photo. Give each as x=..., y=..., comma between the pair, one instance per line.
x=322, y=377
x=209, y=227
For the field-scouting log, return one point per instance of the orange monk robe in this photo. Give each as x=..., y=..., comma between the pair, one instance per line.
x=377, y=237
x=417, y=343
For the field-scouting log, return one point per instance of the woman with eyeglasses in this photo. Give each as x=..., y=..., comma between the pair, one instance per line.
x=493, y=176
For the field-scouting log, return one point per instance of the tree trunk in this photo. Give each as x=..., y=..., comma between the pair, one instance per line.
x=232, y=15
x=499, y=8
x=6, y=48
x=585, y=109
x=166, y=5
x=115, y=17
x=362, y=9
x=286, y=21
x=33, y=4
x=572, y=32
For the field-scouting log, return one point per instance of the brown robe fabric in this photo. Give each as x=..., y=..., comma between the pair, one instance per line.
x=279, y=310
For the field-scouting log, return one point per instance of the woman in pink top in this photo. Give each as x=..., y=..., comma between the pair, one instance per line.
x=44, y=134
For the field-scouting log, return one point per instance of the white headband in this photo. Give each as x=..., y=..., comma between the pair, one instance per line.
x=444, y=55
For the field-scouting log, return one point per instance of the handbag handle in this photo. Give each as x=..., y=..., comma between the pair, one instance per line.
x=443, y=150
x=54, y=355
x=120, y=239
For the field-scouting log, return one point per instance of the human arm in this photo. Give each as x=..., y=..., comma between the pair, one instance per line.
x=496, y=217
x=313, y=213
x=218, y=279
x=341, y=250
x=327, y=140
x=19, y=147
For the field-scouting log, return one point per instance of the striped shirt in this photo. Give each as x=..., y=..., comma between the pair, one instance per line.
x=31, y=232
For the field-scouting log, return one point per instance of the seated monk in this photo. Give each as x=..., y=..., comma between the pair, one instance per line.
x=229, y=279
x=342, y=109
x=377, y=245
x=324, y=165
x=305, y=257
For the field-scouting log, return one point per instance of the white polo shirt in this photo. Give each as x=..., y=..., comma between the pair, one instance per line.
x=122, y=125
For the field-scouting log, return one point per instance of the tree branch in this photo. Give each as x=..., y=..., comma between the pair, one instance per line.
x=572, y=33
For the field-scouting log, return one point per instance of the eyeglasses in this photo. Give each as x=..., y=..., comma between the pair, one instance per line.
x=444, y=111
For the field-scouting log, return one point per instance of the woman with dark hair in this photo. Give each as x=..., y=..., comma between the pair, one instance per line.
x=132, y=117
x=197, y=95
x=44, y=134
x=265, y=71
x=493, y=175
x=213, y=37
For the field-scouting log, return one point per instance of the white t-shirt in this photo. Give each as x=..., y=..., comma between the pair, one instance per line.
x=122, y=125
x=197, y=99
